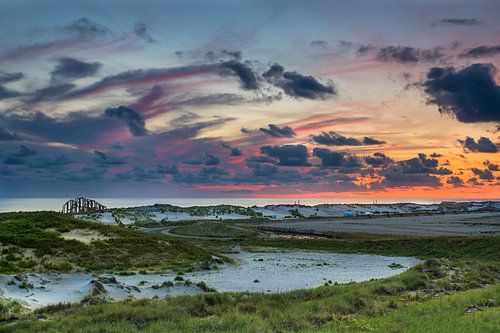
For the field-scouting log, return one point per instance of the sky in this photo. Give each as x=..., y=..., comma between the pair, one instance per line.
x=268, y=99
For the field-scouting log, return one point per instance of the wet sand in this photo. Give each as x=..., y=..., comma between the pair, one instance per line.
x=471, y=224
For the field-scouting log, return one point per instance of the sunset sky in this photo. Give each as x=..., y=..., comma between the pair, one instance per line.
x=339, y=99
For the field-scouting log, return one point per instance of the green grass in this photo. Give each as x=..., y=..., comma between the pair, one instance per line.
x=482, y=248
x=215, y=229
x=39, y=234
x=445, y=314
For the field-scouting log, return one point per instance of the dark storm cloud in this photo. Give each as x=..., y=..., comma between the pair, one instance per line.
x=419, y=171
x=138, y=174
x=18, y=158
x=455, y=181
x=86, y=28
x=363, y=50
x=207, y=159
x=330, y=158
x=9, y=160
x=288, y=155
x=407, y=54
x=263, y=170
x=246, y=75
x=50, y=163
x=212, y=175
x=420, y=164
x=319, y=43
x=236, y=55
x=470, y=94
x=24, y=151
x=7, y=93
x=72, y=69
x=481, y=51
x=53, y=92
x=259, y=159
x=457, y=21
x=75, y=127
x=168, y=169
x=133, y=119
x=378, y=159
x=274, y=72
x=211, y=159
x=485, y=174
x=491, y=166
x=278, y=132
x=337, y=139
x=233, y=151
x=141, y=30
x=224, y=54
x=474, y=182
x=104, y=159
x=393, y=178
x=441, y=171
x=298, y=85
x=483, y=145
x=10, y=77
x=372, y=141
x=6, y=135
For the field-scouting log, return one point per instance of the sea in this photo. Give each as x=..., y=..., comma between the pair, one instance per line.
x=55, y=204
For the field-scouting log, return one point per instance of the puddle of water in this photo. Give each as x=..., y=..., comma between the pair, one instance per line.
x=256, y=272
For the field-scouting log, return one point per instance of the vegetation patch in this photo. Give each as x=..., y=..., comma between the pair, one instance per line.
x=49, y=241
x=482, y=248
x=216, y=230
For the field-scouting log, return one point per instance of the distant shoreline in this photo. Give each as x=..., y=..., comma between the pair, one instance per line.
x=55, y=203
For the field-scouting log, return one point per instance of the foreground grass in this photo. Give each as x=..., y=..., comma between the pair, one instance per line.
x=445, y=314
x=33, y=242
x=394, y=304
x=215, y=229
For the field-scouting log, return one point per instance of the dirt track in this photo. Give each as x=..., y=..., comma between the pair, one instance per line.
x=473, y=224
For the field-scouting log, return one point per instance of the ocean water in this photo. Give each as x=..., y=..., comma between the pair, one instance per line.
x=55, y=204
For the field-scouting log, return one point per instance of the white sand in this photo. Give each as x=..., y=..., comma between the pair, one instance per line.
x=86, y=236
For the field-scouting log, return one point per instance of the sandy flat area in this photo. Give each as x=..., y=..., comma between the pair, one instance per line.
x=471, y=224
x=255, y=272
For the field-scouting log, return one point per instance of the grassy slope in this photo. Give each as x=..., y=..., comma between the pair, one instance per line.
x=39, y=234
x=214, y=229
x=445, y=314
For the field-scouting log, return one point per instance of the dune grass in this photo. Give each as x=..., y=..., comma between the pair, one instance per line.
x=215, y=229
x=481, y=248
x=34, y=242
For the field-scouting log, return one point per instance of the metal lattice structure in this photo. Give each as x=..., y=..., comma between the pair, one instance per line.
x=83, y=206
